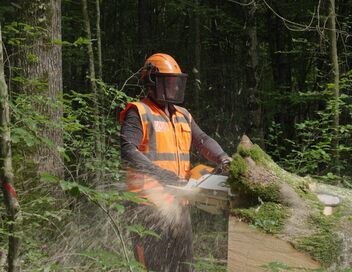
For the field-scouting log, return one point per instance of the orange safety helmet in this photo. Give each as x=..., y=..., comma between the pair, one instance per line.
x=162, y=73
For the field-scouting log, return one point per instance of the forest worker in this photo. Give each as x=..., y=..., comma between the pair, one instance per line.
x=156, y=137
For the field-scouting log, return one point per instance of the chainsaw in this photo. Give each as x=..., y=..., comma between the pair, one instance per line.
x=206, y=189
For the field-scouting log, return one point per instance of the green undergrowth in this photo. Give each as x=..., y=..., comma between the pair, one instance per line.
x=210, y=239
x=281, y=267
x=324, y=245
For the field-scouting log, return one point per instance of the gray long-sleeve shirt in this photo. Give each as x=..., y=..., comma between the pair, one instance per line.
x=131, y=138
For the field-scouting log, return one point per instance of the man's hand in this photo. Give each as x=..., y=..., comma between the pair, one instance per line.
x=225, y=164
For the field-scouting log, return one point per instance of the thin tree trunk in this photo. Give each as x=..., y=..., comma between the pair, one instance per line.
x=101, y=100
x=279, y=43
x=145, y=8
x=197, y=56
x=336, y=76
x=6, y=171
x=252, y=77
x=100, y=62
x=92, y=77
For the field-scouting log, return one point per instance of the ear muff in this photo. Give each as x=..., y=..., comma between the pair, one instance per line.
x=151, y=68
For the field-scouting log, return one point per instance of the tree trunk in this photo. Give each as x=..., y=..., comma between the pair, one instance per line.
x=197, y=58
x=336, y=78
x=252, y=77
x=100, y=62
x=101, y=96
x=145, y=8
x=41, y=61
x=6, y=171
x=279, y=43
x=313, y=217
x=92, y=78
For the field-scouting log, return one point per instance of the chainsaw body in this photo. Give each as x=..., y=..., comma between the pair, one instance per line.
x=208, y=192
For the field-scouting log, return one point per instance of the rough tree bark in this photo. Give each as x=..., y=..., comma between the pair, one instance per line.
x=292, y=208
x=41, y=61
x=6, y=171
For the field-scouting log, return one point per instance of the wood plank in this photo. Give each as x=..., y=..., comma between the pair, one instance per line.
x=248, y=249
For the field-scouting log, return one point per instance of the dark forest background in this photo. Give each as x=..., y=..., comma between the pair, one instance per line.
x=278, y=71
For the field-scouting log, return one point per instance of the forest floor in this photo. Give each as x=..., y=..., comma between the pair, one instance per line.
x=210, y=238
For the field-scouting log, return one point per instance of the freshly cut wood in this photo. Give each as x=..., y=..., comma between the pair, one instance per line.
x=252, y=250
x=306, y=216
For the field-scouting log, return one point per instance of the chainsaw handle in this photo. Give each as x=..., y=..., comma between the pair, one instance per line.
x=219, y=170
x=223, y=167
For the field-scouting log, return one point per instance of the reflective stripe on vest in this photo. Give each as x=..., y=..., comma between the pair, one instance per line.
x=166, y=143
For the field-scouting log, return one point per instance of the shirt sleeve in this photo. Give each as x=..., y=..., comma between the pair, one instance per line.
x=130, y=139
x=206, y=145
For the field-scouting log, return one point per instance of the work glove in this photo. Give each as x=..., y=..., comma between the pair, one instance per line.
x=225, y=164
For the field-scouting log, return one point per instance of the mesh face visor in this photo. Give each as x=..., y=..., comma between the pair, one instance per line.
x=170, y=87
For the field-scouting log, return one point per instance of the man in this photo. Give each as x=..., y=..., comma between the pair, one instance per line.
x=156, y=138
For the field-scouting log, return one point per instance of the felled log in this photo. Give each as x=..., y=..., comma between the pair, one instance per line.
x=312, y=218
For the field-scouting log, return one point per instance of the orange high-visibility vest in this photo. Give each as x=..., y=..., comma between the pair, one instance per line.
x=166, y=142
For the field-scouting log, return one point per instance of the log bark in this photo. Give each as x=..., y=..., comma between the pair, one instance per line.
x=292, y=208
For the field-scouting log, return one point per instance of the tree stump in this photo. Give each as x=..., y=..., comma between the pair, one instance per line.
x=312, y=218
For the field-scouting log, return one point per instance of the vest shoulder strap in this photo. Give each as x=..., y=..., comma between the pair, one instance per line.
x=186, y=113
x=141, y=107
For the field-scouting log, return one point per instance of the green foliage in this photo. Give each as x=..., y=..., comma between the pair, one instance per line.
x=141, y=231
x=208, y=264
x=104, y=260
x=312, y=150
x=44, y=197
x=80, y=131
x=293, y=69
x=280, y=267
x=277, y=267
x=18, y=33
